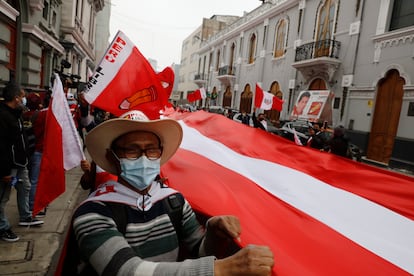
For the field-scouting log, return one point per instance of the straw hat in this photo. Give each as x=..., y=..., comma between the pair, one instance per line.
x=100, y=138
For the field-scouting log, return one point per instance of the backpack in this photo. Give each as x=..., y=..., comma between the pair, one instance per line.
x=69, y=259
x=31, y=138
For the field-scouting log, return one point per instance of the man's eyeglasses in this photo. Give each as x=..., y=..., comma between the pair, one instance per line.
x=135, y=153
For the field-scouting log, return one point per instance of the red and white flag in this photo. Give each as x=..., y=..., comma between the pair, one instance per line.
x=125, y=80
x=62, y=149
x=319, y=213
x=266, y=101
x=199, y=94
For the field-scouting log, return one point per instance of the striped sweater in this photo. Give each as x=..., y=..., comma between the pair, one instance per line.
x=150, y=245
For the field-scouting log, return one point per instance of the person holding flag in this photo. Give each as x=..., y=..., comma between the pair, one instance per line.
x=142, y=236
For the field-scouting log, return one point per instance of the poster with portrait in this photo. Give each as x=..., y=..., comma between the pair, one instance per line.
x=313, y=106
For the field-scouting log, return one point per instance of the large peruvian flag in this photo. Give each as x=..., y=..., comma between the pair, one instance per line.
x=62, y=149
x=267, y=101
x=125, y=80
x=320, y=214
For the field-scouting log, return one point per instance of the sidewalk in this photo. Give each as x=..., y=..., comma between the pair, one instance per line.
x=38, y=249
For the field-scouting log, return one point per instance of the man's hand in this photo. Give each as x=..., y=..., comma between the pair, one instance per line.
x=224, y=227
x=85, y=165
x=251, y=260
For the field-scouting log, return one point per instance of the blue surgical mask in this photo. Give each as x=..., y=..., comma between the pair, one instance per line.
x=24, y=101
x=139, y=172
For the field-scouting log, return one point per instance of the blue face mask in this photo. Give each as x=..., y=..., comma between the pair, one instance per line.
x=139, y=172
x=24, y=101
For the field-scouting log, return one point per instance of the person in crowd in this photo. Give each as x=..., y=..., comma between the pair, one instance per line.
x=339, y=143
x=37, y=117
x=316, y=139
x=301, y=104
x=259, y=121
x=14, y=160
x=244, y=118
x=133, y=148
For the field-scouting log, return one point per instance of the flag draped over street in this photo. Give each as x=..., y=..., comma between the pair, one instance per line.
x=266, y=101
x=62, y=149
x=199, y=94
x=320, y=214
x=124, y=80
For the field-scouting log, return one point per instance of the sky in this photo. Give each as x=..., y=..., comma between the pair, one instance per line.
x=158, y=28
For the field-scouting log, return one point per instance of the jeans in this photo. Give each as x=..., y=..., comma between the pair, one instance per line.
x=23, y=191
x=34, y=176
x=5, y=190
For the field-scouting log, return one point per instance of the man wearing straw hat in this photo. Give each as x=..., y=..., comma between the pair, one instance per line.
x=147, y=241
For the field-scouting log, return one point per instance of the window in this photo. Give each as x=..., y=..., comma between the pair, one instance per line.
x=281, y=31
x=402, y=14
x=45, y=10
x=252, y=48
x=325, y=27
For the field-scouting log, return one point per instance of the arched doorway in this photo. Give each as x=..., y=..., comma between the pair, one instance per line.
x=386, y=117
x=227, y=97
x=246, y=99
x=274, y=115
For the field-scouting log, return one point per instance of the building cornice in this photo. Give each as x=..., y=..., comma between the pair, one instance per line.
x=36, y=5
x=249, y=20
x=8, y=11
x=44, y=37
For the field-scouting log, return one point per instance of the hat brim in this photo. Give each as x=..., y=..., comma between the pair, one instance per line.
x=100, y=138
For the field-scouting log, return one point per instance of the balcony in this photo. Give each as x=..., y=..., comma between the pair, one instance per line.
x=319, y=58
x=200, y=79
x=226, y=75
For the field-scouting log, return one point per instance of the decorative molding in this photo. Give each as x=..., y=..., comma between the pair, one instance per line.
x=42, y=36
x=8, y=11
x=36, y=5
x=394, y=38
x=354, y=28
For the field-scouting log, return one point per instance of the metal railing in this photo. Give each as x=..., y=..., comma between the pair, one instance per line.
x=321, y=48
x=227, y=70
x=200, y=77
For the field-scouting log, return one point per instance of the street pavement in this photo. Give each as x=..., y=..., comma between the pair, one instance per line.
x=37, y=251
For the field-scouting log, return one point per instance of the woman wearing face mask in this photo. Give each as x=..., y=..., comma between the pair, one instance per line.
x=148, y=243
x=14, y=159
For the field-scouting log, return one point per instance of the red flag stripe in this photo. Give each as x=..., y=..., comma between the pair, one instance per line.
x=302, y=245
x=308, y=194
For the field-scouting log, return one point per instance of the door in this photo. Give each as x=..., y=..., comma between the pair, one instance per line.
x=386, y=117
x=227, y=97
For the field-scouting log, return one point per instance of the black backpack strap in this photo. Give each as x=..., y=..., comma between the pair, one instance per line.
x=174, y=205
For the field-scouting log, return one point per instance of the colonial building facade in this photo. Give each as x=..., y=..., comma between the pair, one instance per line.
x=39, y=37
x=360, y=50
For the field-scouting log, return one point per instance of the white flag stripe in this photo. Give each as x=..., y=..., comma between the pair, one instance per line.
x=203, y=93
x=116, y=59
x=72, y=148
x=378, y=229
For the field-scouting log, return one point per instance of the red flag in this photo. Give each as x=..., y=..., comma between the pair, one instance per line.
x=319, y=213
x=197, y=95
x=266, y=101
x=62, y=149
x=124, y=80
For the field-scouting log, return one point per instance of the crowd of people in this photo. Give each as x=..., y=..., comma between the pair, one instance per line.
x=22, y=127
x=126, y=153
